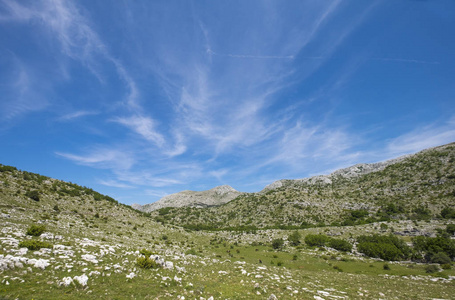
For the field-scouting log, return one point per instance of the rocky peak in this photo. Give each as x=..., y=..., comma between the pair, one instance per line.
x=215, y=196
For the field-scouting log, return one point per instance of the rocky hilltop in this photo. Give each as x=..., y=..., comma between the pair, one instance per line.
x=213, y=197
x=349, y=172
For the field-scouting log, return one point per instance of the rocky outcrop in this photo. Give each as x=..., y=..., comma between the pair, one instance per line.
x=350, y=172
x=216, y=196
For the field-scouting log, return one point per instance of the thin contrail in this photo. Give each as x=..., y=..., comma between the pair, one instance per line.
x=415, y=61
x=209, y=51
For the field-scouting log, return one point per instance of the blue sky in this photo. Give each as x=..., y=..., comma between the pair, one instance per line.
x=140, y=99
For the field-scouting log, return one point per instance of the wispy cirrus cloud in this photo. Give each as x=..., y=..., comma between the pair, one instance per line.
x=426, y=136
x=76, y=115
x=64, y=22
x=23, y=89
x=104, y=158
x=144, y=126
x=116, y=184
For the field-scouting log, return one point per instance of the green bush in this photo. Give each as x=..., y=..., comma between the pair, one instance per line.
x=277, y=243
x=448, y=213
x=384, y=247
x=34, y=245
x=145, y=252
x=317, y=240
x=380, y=250
x=450, y=229
x=338, y=268
x=386, y=266
x=294, y=238
x=431, y=269
x=36, y=230
x=421, y=213
x=429, y=246
x=34, y=195
x=359, y=214
x=440, y=258
x=192, y=252
x=146, y=263
x=7, y=168
x=340, y=245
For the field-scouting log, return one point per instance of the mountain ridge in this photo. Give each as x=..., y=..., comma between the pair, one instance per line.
x=412, y=186
x=215, y=196
x=348, y=172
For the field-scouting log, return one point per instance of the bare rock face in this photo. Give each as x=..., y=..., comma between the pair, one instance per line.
x=216, y=196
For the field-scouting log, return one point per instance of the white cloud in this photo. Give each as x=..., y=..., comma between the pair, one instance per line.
x=103, y=158
x=421, y=138
x=76, y=115
x=144, y=126
x=22, y=89
x=114, y=183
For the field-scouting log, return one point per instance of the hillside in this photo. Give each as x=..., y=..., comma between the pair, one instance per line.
x=213, y=197
x=416, y=186
x=59, y=240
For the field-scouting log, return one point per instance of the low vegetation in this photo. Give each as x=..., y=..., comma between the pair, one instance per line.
x=384, y=235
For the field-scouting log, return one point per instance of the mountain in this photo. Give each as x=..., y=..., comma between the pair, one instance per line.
x=59, y=240
x=213, y=197
x=411, y=187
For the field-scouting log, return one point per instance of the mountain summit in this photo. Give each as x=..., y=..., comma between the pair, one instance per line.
x=216, y=196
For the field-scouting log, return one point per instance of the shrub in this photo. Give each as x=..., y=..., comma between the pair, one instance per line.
x=34, y=195
x=448, y=213
x=36, y=230
x=386, y=267
x=340, y=245
x=145, y=252
x=384, y=247
x=7, y=168
x=440, y=258
x=277, y=243
x=34, y=245
x=421, y=213
x=294, y=238
x=359, y=214
x=316, y=240
x=191, y=252
x=338, y=268
x=380, y=250
x=384, y=226
x=431, y=269
x=146, y=263
x=430, y=246
x=450, y=229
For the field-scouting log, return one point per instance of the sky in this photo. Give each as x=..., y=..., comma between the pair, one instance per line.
x=141, y=99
